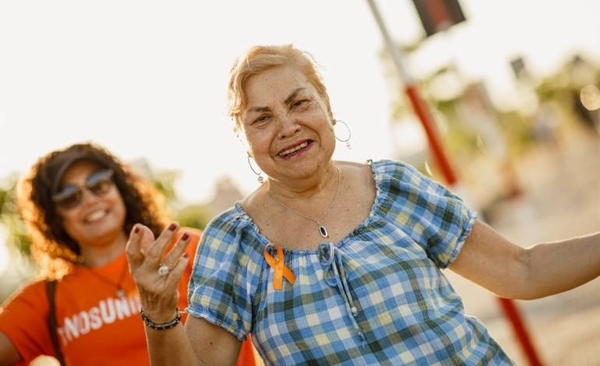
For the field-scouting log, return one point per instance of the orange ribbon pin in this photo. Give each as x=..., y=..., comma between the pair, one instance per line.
x=280, y=270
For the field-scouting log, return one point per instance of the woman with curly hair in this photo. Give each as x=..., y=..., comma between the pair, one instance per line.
x=79, y=204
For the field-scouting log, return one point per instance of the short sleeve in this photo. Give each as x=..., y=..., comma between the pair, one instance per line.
x=433, y=216
x=221, y=285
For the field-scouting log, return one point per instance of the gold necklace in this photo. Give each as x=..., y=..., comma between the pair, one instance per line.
x=322, y=229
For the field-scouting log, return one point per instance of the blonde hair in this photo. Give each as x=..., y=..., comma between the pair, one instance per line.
x=261, y=58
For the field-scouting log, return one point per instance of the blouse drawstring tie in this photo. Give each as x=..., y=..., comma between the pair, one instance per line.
x=335, y=276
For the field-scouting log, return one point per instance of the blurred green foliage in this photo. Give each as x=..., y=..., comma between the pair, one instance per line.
x=518, y=127
x=9, y=218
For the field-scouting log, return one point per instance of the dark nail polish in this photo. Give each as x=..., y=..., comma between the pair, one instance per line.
x=185, y=236
x=172, y=227
x=136, y=230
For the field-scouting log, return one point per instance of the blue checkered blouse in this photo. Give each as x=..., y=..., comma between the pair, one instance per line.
x=377, y=297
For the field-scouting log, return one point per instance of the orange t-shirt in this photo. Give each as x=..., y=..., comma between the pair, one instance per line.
x=96, y=326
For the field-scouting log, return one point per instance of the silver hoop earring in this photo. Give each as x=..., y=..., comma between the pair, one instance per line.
x=348, y=132
x=258, y=172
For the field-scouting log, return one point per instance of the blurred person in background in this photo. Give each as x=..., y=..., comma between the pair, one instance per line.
x=334, y=262
x=79, y=204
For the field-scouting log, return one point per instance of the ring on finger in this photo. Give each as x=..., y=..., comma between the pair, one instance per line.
x=163, y=270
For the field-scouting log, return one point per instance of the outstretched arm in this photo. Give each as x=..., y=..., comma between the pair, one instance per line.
x=511, y=271
x=199, y=343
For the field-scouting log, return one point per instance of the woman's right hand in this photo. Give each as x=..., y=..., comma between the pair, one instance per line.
x=145, y=254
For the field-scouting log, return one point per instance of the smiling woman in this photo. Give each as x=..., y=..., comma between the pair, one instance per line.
x=79, y=203
x=302, y=262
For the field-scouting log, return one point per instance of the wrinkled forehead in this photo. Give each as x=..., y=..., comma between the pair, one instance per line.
x=275, y=87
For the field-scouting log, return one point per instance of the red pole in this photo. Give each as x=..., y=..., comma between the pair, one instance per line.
x=508, y=306
x=422, y=112
x=428, y=123
x=512, y=313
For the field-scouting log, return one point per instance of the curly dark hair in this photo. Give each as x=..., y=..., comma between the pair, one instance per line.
x=53, y=249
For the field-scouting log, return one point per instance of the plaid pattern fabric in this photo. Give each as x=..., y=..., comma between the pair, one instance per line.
x=378, y=297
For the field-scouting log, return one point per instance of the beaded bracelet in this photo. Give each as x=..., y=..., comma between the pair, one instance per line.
x=162, y=326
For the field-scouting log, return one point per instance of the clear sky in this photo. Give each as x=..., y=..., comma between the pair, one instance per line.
x=147, y=78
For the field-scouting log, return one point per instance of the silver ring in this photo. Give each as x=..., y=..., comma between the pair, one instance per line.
x=163, y=270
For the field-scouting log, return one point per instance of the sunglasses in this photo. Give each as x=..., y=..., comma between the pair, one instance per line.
x=70, y=195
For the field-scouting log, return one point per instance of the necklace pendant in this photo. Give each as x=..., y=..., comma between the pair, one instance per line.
x=323, y=231
x=120, y=293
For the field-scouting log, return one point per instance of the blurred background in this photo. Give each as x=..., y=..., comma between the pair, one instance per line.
x=511, y=89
